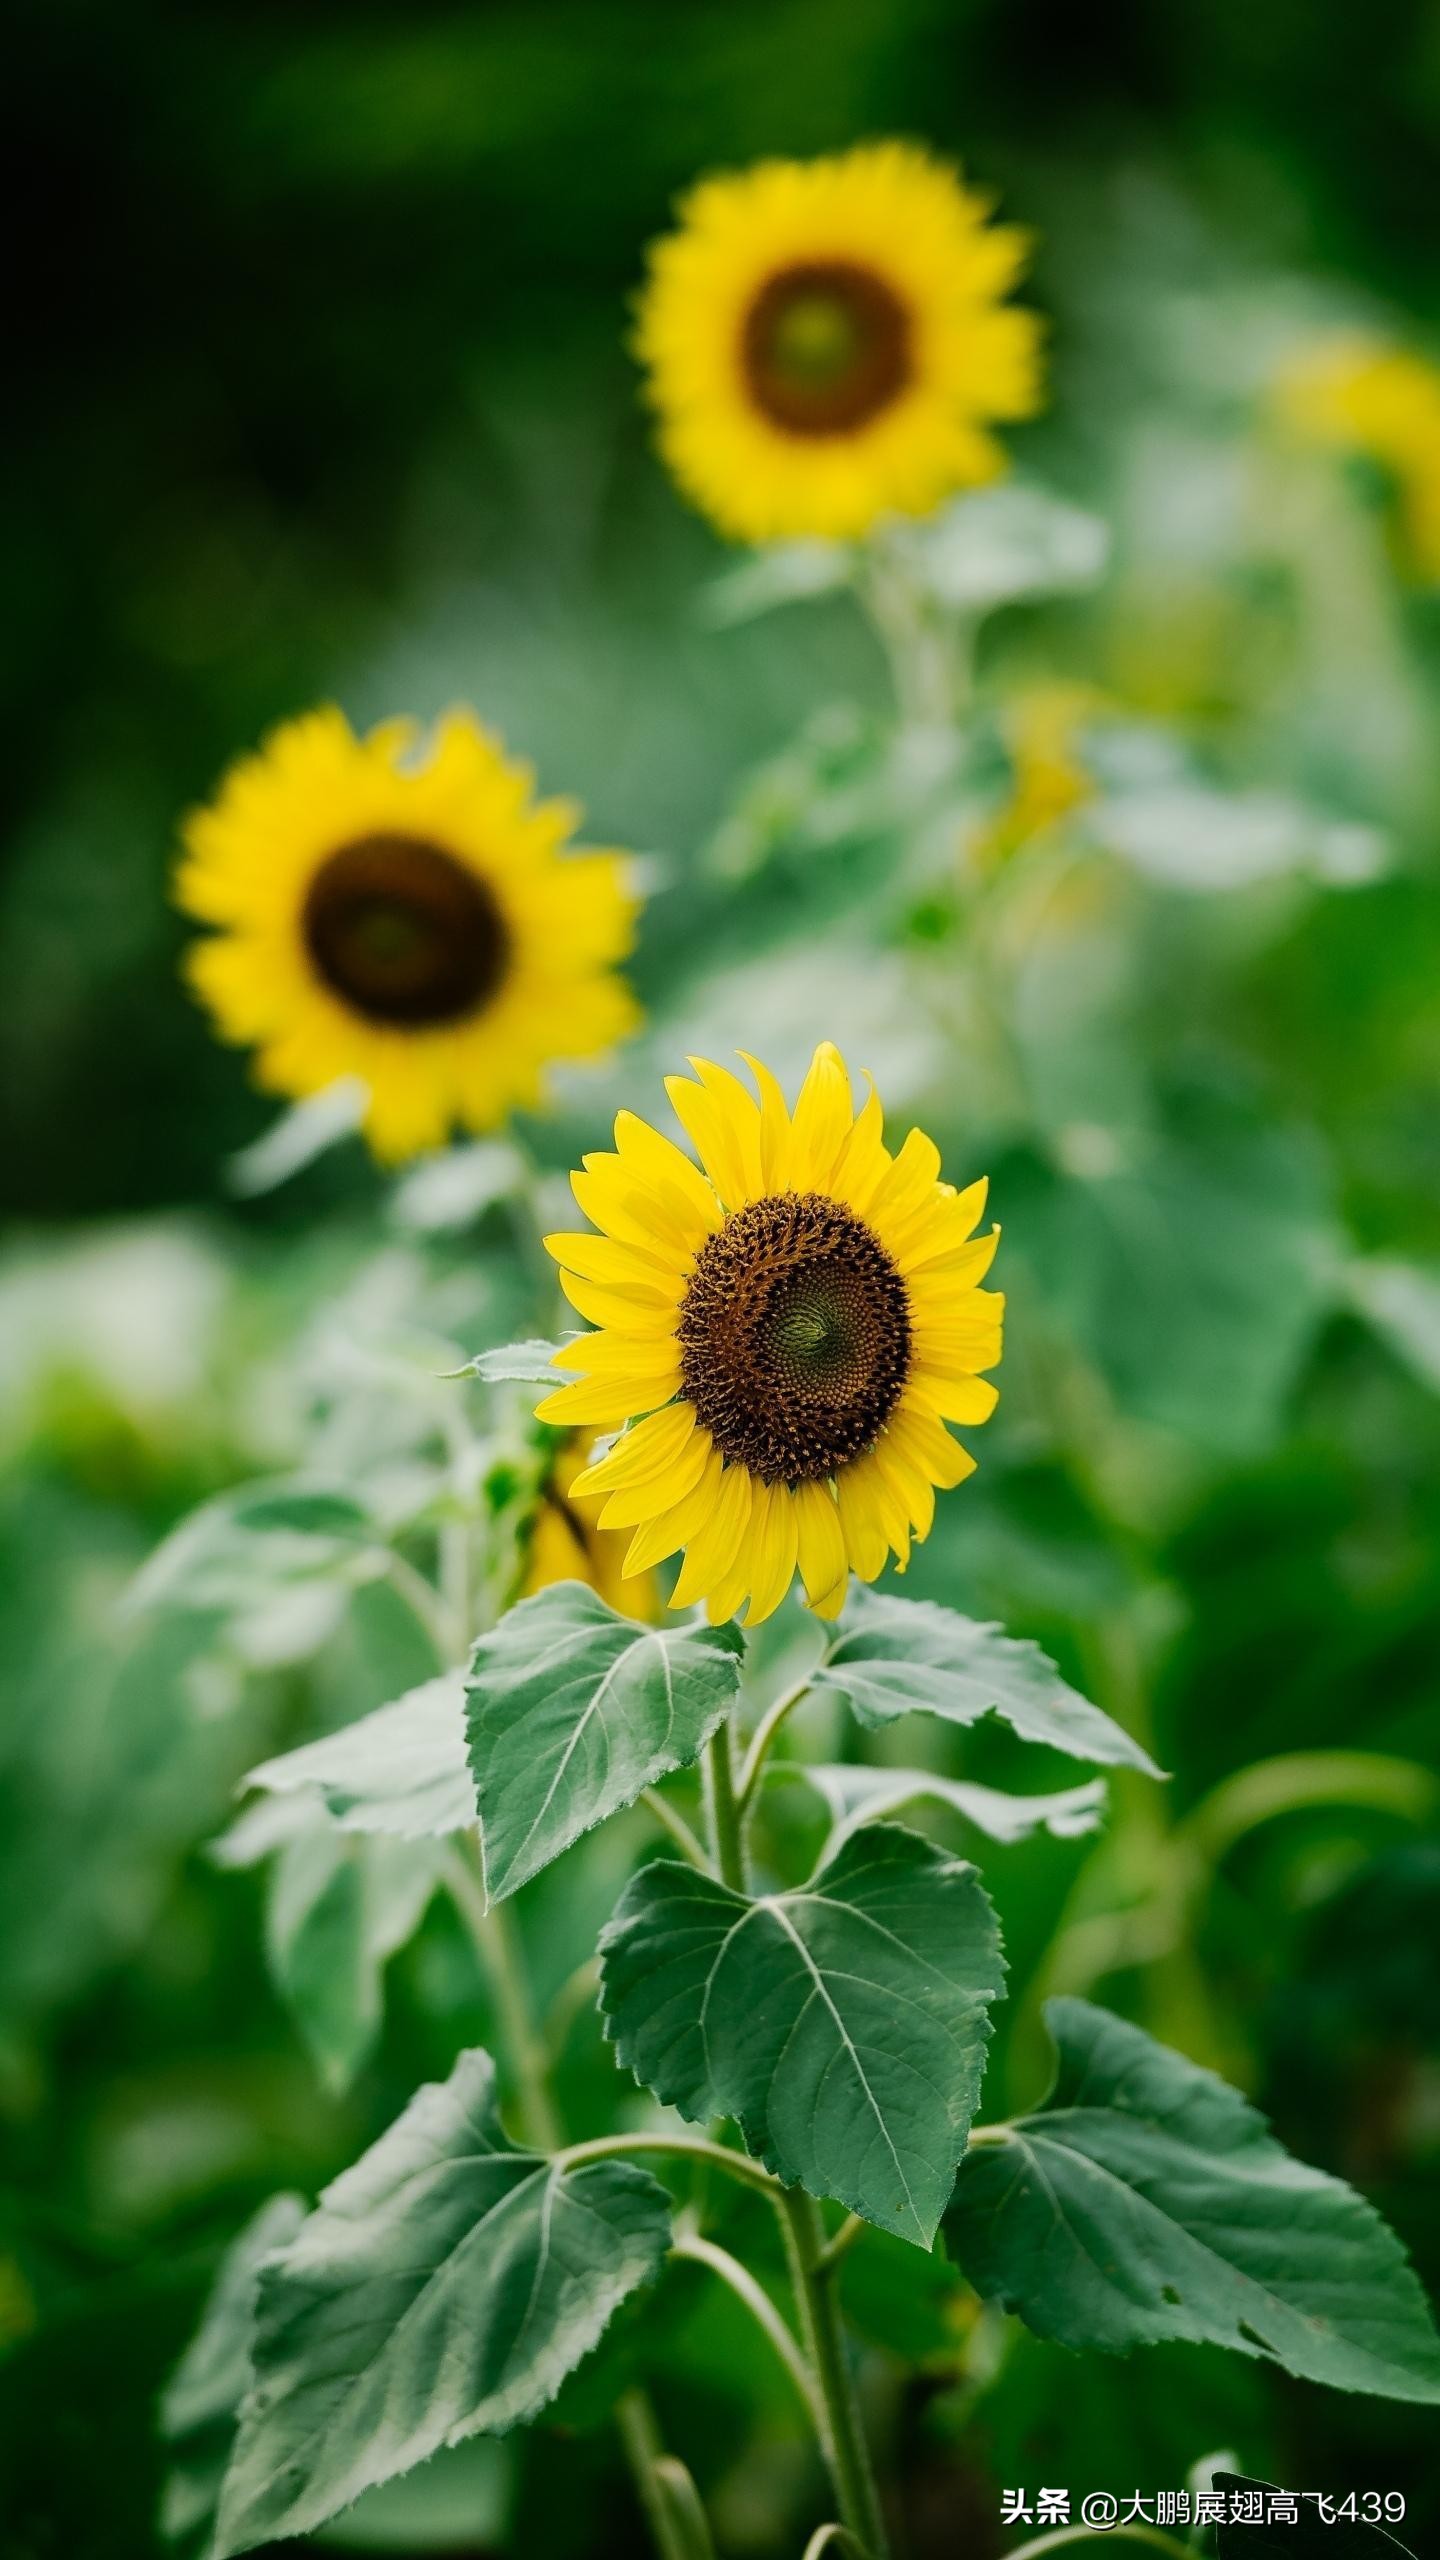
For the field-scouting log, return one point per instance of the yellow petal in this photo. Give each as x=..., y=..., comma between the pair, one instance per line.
x=603, y=1402
x=642, y=1453
x=821, y=1123
x=773, y=1543
x=774, y=1124
x=724, y=1122
x=646, y=1498
x=627, y=1310
x=954, y=1397
x=714, y=1550
x=861, y=1501
x=614, y=1355
x=670, y=1529
x=601, y=1258
x=660, y=1165
x=821, y=1549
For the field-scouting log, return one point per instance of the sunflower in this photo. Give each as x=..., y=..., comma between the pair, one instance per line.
x=1362, y=396
x=785, y=1330
x=565, y=1543
x=406, y=915
x=827, y=342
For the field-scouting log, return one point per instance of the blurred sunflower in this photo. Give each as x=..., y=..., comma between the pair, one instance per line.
x=797, y=1318
x=827, y=342
x=410, y=919
x=564, y=1542
x=1361, y=396
x=1043, y=730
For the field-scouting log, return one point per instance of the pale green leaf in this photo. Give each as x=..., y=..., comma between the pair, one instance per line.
x=995, y=546
x=526, y=1364
x=856, y=1795
x=402, y=1769
x=201, y=2402
x=573, y=1710
x=783, y=573
x=891, y=1657
x=338, y=1908
x=303, y=1132
x=443, y=2287
x=842, y=2025
x=450, y=1190
x=1402, y=1302
x=1146, y=2200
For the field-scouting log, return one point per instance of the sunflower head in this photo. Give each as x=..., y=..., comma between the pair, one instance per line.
x=784, y=1331
x=827, y=341
x=1362, y=396
x=406, y=914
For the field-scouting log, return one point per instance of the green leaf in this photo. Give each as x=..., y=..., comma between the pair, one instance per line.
x=842, y=2025
x=338, y=1908
x=451, y=1190
x=527, y=1364
x=856, y=1795
x=573, y=1710
x=302, y=1133
x=201, y=2402
x=783, y=573
x=402, y=1769
x=1147, y=2200
x=442, y=2288
x=1402, y=1302
x=1192, y=837
x=997, y=545
x=892, y=1657
x=239, y=1547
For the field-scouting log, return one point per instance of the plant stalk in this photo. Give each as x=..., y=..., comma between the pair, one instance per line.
x=722, y=1811
x=842, y=2436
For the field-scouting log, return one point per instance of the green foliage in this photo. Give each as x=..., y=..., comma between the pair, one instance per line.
x=201, y=2403
x=854, y=1795
x=444, y=2286
x=573, y=1711
x=402, y=1769
x=892, y=1657
x=843, y=2025
x=1146, y=2201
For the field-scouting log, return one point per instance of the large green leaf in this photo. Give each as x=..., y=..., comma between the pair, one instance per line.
x=891, y=1657
x=843, y=2025
x=856, y=1795
x=201, y=2403
x=337, y=1909
x=402, y=1769
x=1147, y=2200
x=443, y=2287
x=573, y=1710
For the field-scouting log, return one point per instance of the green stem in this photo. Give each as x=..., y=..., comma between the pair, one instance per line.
x=841, y=2434
x=835, y=2248
x=684, y=2146
x=645, y=2452
x=498, y=1947
x=765, y=1732
x=722, y=1811
x=761, y=2309
x=678, y=1828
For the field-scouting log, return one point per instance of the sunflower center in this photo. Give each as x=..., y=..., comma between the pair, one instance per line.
x=825, y=346
x=794, y=1337
x=404, y=933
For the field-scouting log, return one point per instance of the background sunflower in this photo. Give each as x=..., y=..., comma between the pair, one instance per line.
x=405, y=915
x=827, y=341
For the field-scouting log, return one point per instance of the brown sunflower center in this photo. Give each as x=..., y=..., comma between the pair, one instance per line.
x=794, y=1337
x=403, y=932
x=825, y=346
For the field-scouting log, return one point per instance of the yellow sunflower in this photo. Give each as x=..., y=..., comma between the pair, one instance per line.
x=565, y=1543
x=785, y=1330
x=1359, y=395
x=404, y=913
x=827, y=342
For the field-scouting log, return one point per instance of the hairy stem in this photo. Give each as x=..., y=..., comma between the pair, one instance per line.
x=684, y=2146
x=765, y=1732
x=722, y=1811
x=498, y=1948
x=841, y=2434
x=762, y=2310
x=678, y=1828
x=645, y=2454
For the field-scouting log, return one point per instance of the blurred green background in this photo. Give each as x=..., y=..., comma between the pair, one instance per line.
x=320, y=391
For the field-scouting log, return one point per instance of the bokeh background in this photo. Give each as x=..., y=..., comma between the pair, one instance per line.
x=319, y=390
